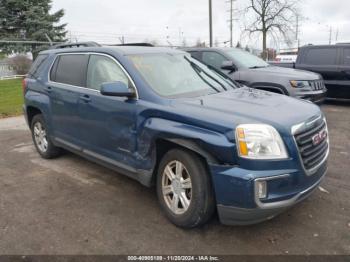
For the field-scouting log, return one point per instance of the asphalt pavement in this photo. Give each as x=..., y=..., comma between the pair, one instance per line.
x=72, y=206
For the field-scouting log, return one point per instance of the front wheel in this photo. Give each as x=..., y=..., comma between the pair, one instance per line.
x=184, y=189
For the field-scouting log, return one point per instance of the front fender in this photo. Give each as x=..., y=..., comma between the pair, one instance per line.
x=213, y=146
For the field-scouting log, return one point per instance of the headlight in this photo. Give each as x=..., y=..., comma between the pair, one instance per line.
x=299, y=84
x=259, y=141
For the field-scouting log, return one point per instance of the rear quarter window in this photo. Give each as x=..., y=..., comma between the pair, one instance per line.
x=321, y=56
x=38, y=65
x=70, y=69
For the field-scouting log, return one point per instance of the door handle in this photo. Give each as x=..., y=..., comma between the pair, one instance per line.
x=85, y=98
x=49, y=89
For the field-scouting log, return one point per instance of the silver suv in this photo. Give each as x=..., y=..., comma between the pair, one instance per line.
x=252, y=71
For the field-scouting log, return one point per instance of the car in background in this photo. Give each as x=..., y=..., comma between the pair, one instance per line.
x=254, y=72
x=287, y=56
x=330, y=61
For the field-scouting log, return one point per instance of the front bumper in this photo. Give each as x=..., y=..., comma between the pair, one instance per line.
x=237, y=203
x=243, y=216
x=317, y=97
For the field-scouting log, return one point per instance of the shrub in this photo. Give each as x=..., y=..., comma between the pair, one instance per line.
x=20, y=64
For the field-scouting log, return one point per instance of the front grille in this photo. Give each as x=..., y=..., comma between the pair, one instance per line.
x=312, y=154
x=317, y=85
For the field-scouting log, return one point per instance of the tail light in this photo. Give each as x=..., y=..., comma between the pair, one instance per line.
x=24, y=86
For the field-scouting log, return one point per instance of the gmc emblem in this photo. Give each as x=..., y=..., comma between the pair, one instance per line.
x=319, y=137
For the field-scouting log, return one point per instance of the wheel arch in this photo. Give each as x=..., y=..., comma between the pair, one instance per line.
x=163, y=145
x=271, y=87
x=31, y=112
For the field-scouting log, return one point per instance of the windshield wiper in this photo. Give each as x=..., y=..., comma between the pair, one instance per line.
x=255, y=67
x=196, y=67
x=198, y=70
x=229, y=81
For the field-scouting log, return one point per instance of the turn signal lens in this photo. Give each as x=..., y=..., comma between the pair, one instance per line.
x=261, y=189
x=242, y=144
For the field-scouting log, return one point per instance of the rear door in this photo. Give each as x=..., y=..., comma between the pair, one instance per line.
x=344, y=68
x=66, y=85
x=323, y=60
x=108, y=123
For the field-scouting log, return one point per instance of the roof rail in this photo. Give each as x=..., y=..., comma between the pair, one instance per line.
x=134, y=44
x=77, y=44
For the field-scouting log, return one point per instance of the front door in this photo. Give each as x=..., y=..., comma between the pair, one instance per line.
x=108, y=123
x=343, y=90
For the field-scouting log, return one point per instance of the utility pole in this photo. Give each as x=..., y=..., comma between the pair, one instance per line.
x=181, y=36
x=330, y=35
x=210, y=25
x=297, y=31
x=336, y=35
x=231, y=21
x=297, y=28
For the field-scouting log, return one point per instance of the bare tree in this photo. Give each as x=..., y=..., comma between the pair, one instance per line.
x=271, y=17
x=199, y=43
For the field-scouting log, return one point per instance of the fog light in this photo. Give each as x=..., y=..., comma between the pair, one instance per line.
x=261, y=187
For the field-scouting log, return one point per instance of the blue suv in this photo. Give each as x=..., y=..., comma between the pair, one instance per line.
x=165, y=119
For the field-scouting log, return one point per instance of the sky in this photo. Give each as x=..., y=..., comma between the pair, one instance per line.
x=172, y=21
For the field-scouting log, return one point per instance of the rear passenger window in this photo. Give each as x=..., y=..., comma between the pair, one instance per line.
x=321, y=56
x=70, y=69
x=37, y=65
x=103, y=69
x=346, y=56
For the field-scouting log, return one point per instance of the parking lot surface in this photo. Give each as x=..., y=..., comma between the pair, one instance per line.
x=72, y=206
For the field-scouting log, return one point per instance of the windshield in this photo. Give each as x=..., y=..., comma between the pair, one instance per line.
x=245, y=59
x=178, y=75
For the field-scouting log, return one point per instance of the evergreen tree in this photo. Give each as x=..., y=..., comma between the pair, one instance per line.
x=29, y=20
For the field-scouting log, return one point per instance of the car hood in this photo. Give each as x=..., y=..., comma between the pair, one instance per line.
x=246, y=105
x=291, y=74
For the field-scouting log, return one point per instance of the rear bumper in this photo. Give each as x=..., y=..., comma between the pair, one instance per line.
x=25, y=114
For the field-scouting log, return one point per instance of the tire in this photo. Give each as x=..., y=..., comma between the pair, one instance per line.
x=195, y=185
x=42, y=140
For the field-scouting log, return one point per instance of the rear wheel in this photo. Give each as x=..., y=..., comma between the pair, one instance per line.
x=184, y=189
x=41, y=138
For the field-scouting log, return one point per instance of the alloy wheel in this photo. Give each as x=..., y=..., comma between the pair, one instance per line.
x=177, y=187
x=40, y=137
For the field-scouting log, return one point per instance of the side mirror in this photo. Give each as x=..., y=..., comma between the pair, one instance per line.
x=116, y=89
x=228, y=65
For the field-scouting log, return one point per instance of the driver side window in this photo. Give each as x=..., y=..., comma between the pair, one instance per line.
x=102, y=69
x=213, y=59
